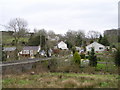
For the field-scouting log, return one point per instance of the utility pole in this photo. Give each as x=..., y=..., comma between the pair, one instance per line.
x=40, y=40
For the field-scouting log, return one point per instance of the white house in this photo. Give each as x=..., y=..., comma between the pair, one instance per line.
x=97, y=47
x=62, y=45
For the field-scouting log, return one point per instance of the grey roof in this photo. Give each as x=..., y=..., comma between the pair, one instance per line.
x=31, y=48
x=9, y=48
x=24, y=48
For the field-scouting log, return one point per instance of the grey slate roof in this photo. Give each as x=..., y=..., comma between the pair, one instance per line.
x=24, y=48
x=9, y=48
x=31, y=48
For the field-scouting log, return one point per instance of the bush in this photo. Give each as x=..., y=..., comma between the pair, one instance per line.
x=77, y=58
x=73, y=50
x=98, y=59
x=87, y=56
x=53, y=64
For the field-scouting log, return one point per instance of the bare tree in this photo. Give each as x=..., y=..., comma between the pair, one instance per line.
x=93, y=35
x=18, y=25
x=74, y=38
x=51, y=34
x=70, y=36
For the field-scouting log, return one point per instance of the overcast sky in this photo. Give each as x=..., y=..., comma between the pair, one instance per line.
x=62, y=15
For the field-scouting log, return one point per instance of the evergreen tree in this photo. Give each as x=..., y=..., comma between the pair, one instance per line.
x=93, y=58
x=100, y=38
x=118, y=38
x=117, y=57
x=69, y=44
x=105, y=41
x=73, y=49
x=77, y=58
x=84, y=45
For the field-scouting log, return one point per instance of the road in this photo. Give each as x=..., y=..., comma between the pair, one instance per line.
x=15, y=62
x=23, y=61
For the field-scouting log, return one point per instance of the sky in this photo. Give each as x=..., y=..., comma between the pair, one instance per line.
x=62, y=15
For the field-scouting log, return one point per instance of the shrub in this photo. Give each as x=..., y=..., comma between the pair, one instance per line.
x=52, y=64
x=77, y=58
x=82, y=56
x=98, y=59
x=87, y=56
x=73, y=50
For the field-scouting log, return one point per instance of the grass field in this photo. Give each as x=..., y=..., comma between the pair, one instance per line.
x=10, y=39
x=7, y=39
x=60, y=80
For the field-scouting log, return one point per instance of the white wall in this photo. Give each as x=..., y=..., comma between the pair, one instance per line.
x=62, y=45
x=96, y=46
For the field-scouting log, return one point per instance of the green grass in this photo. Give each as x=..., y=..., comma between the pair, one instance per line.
x=98, y=53
x=108, y=68
x=10, y=39
x=101, y=66
x=6, y=38
x=60, y=80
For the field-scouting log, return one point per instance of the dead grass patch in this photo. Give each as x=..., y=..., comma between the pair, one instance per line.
x=59, y=80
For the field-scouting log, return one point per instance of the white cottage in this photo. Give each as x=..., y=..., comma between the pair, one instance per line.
x=97, y=47
x=62, y=45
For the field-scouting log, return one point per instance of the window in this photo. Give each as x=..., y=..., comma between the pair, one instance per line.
x=25, y=51
x=100, y=47
x=89, y=47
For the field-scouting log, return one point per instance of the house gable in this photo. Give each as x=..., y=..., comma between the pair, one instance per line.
x=96, y=46
x=62, y=45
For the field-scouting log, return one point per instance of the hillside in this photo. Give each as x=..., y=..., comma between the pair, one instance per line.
x=7, y=38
